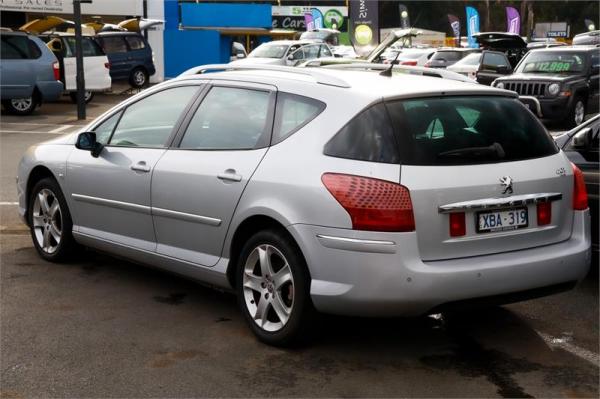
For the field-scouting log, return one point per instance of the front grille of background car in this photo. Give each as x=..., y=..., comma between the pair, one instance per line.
x=527, y=88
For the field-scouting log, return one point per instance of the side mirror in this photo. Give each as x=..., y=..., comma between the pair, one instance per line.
x=87, y=141
x=240, y=55
x=583, y=139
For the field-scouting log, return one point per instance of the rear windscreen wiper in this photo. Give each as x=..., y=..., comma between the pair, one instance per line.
x=495, y=150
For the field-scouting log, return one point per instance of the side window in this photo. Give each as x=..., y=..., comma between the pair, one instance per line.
x=325, y=52
x=298, y=54
x=89, y=46
x=367, y=137
x=229, y=118
x=149, y=122
x=134, y=42
x=15, y=47
x=105, y=129
x=34, y=50
x=293, y=112
x=311, y=52
x=113, y=45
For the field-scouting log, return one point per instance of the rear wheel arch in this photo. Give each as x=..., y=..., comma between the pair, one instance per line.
x=247, y=229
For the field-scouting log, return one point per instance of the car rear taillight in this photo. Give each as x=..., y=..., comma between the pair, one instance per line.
x=427, y=64
x=107, y=65
x=373, y=204
x=544, y=213
x=409, y=62
x=56, y=70
x=458, y=226
x=580, y=197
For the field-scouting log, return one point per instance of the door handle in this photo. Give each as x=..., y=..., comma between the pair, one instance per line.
x=141, y=167
x=229, y=175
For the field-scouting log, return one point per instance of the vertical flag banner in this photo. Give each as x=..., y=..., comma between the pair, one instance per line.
x=364, y=25
x=404, y=18
x=309, y=22
x=455, y=25
x=513, y=21
x=472, y=26
x=317, y=18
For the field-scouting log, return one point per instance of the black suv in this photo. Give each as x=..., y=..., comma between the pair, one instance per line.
x=558, y=84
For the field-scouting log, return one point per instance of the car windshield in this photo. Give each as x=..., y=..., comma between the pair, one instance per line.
x=552, y=62
x=446, y=56
x=269, y=51
x=471, y=59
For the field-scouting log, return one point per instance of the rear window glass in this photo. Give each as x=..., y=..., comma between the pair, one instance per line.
x=467, y=130
x=135, y=43
x=367, y=137
x=293, y=112
x=114, y=45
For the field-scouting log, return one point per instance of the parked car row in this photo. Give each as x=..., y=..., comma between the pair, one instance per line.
x=39, y=68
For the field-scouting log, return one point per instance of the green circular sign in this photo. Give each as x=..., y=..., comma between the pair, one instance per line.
x=363, y=34
x=333, y=19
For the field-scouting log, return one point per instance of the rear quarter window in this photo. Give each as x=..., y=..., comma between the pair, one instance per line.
x=292, y=113
x=134, y=42
x=467, y=130
x=114, y=44
x=369, y=136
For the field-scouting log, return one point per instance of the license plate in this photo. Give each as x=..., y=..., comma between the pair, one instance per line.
x=509, y=219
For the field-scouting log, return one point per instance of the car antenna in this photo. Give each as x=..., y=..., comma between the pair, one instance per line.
x=388, y=72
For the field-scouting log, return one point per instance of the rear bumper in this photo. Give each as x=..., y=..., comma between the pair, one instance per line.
x=382, y=274
x=51, y=90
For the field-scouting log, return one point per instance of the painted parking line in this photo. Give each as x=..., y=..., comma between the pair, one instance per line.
x=8, y=203
x=60, y=129
x=564, y=343
x=29, y=132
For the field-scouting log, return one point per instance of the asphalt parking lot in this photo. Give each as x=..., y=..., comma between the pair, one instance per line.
x=104, y=327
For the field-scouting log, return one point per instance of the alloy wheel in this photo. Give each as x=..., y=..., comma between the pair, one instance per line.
x=47, y=221
x=268, y=286
x=22, y=104
x=139, y=78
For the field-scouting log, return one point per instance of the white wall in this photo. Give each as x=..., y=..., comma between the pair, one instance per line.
x=156, y=10
x=97, y=7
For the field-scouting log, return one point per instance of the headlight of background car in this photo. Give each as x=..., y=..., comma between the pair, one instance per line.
x=500, y=85
x=553, y=89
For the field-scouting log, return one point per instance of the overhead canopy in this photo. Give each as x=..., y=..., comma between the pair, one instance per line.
x=232, y=31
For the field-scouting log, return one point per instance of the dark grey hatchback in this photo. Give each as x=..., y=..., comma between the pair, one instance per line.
x=130, y=56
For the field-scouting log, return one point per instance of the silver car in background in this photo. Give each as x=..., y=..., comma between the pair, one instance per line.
x=303, y=189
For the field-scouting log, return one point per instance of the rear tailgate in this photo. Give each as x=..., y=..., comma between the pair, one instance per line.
x=437, y=192
x=486, y=163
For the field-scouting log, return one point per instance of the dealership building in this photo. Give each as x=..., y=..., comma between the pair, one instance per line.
x=194, y=32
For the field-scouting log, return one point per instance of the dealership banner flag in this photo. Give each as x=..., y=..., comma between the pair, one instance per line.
x=309, y=22
x=513, y=21
x=364, y=25
x=317, y=18
x=455, y=25
x=472, y=26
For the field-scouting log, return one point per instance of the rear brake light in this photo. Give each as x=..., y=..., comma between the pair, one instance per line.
x=107, y=65
x=409, y=62
x=580, y=197
x=544, y=213
x=457, y=224
x=56, y=70
x=373, y=204
x=427, y=64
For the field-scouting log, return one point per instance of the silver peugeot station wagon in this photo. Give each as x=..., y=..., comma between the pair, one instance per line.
x=303, y=190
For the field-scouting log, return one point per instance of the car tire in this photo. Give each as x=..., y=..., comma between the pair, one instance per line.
x=576, y=113
x=20, y=106
x=88, y=96
x=138, y=78
x=50, y=222
x=273, y=288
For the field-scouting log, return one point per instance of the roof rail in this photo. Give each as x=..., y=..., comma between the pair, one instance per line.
x=416, y=70
x=320, y=77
